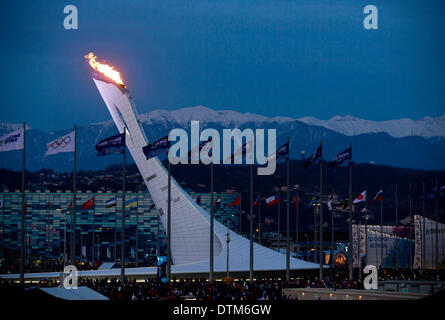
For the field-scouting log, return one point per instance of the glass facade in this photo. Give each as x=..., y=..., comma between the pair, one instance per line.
x=47, y=220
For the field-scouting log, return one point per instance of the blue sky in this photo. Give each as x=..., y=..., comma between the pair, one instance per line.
x=290, y=58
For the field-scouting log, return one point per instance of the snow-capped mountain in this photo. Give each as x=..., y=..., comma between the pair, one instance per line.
x=373, y=142
x=227, y=118
x=349, y=125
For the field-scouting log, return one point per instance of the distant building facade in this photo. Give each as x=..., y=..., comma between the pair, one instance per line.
x=45, y=224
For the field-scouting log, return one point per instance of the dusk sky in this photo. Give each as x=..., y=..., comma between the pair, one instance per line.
x=287, y=58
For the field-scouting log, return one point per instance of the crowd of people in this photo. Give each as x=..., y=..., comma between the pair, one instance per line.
x=242, y=289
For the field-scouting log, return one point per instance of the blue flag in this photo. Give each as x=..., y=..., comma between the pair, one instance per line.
x=283, y=151
x=152, y=149
x=111, y=145
x=340, y=158
x=314, y=158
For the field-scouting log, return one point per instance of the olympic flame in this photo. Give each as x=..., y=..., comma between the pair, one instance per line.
x=103, y=68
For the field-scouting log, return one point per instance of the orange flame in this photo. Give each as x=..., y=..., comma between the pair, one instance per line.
x=105, y=69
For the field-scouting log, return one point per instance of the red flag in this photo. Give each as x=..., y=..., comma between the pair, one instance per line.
x=257, y=201
x=70, y=205
x=237, y=202
x=272, y=200
x=152, y=206
x=296, y=200
x=88, y=204
x=217, y=202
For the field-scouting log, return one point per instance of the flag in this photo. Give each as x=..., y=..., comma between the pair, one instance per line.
x=110, y=203
x=340, y=158
x=241, y=151
x=237, y=202
x=152, y=206
x=360, y=198
x=132, y=203
x=378, y=197
x=12, y=141
x=70, y=205
x=132, y=252
x=296, y=201
x=206, y=145
x=257, y=201
x=217, y=201
x=47, y=205
x=283, y=151
x=65, y=143
x=113, y=144
x=198, y=200
x=268, y=221
x=313, y=202
x=314, y=158
x=330, y=204
x=272, y=200
x=108, y=253
x=345, y=204
x=84, y=251
x=152, y=149
x=88, y=204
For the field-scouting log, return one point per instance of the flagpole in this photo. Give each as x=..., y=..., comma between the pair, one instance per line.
x=437, y=227
x=279, y=220
x=332, y=239
x=351, y=277
x=169, y=227
x=211, y=224
x=321, y=216
x=259, y=217
x=366, y=226
x=22, y=235
x=136, y=236
x=381, y=229
x=315, y=232
x=64, y=240
x=73, y=215
x=423, y=231
x=287, y=217
x=3, y=226
x=115, y=230
x=47, y=228
x=251, y=226
x=93, y=257
x=397, y=225
x=359, y=246
x=123, y=213
x=410, y=226
x=296, y=223
x=239, y=212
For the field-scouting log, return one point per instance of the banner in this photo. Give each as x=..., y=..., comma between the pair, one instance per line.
x=418, y=226
x=113, y=144
x=425, y=242
x=84, y=251
x=153, y=148
x=161, y=273
x=355, y=249
x=12, y=141
x=65, y=143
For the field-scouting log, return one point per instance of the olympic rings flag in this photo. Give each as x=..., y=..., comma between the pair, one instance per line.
x=65, y=143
